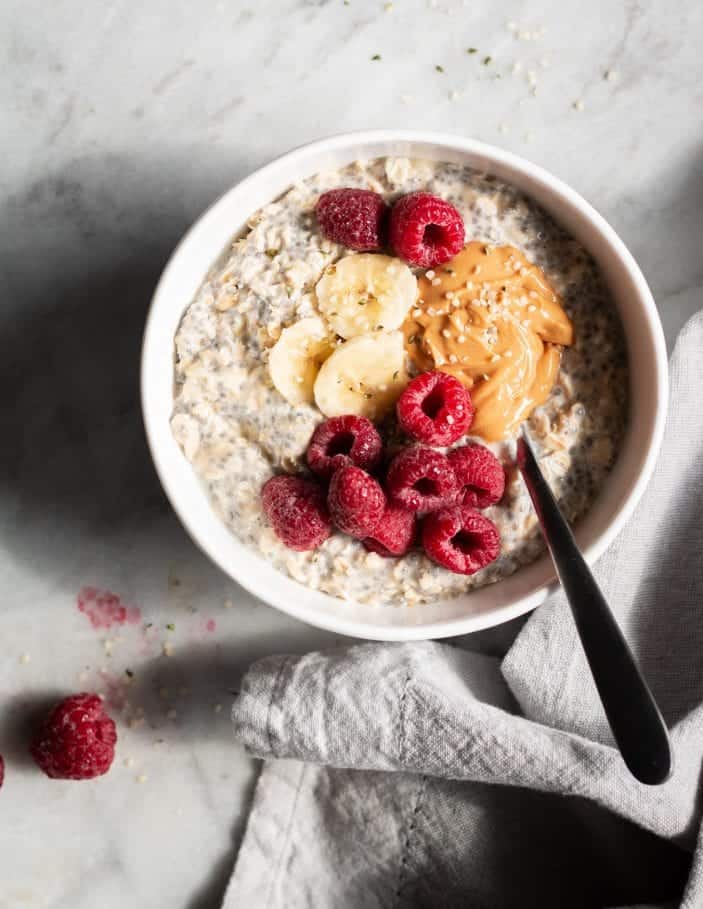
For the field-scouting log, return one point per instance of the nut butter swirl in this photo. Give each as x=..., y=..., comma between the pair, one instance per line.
x=490, y=318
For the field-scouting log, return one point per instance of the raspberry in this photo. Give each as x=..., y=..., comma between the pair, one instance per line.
x=480, y=475
x=435, y=408
x=344, y=441
x=425, y=230
x=421, y=479
x=77, y=739
x=395, y=533
x=460, y=539
x=353, y=217
x=356, y=502
x=297, y=511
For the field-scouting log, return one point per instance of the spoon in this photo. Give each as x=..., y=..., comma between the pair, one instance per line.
x=634, y=718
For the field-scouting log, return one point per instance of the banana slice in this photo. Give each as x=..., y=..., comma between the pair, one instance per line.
x=295, y=359
x=365, y=293
x=364, y=376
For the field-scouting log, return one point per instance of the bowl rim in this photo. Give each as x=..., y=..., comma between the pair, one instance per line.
x=336, y=620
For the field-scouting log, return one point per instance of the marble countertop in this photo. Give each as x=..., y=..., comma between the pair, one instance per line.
x=121, y=122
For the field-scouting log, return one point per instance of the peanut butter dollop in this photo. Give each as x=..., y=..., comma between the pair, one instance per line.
x=490, y=318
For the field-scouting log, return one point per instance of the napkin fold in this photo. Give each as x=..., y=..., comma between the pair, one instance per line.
x=426, y=775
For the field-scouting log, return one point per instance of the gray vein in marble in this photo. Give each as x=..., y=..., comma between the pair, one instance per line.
x=168, y=80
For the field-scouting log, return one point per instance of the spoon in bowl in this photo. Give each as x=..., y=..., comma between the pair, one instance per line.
x=634, y=718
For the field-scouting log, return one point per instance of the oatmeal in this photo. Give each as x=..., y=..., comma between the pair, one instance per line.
x=238, y=430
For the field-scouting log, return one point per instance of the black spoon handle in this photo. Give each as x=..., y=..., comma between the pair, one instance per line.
x=637, y=724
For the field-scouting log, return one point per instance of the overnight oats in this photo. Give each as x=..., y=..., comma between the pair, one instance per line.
x=352, y=374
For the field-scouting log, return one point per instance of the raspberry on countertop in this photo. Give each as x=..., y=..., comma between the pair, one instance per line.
x=77, y=739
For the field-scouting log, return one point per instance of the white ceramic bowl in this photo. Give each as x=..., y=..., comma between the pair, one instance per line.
x=496, y=603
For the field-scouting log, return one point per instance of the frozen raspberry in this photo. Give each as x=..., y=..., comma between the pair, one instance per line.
x=421, y=479
x=356, y=502
x=344, y=441
x=395, y=533
x=460, y=539
x=480, y=475
x=77, y=739
x=425, y=230
x=297, y=511
x=435, y=408
x=353, y=217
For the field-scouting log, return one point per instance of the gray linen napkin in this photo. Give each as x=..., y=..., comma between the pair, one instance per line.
x=470, y=756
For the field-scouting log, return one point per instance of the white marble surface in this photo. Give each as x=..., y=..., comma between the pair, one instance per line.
x=120, y=123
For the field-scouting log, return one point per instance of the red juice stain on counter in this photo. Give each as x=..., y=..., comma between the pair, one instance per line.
x=105, y=609
x=116, y=690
